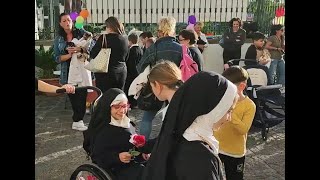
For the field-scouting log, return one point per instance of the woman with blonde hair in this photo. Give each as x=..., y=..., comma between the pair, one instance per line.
x=165, y=78
x=202, y=42
x=185, y=148
x=166, y=48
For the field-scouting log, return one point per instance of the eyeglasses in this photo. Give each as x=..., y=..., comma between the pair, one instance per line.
x=118, y=106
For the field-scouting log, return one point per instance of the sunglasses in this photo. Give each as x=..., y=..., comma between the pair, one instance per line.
x=118, y=106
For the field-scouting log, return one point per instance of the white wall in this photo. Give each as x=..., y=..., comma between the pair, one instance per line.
x=213, y=60
x=36, y=21
x=212, y=55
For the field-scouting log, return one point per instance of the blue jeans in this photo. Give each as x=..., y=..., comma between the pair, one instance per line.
x=146, y=123
x=277, y=72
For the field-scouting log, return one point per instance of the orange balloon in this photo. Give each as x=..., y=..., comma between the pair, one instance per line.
x=84, y=13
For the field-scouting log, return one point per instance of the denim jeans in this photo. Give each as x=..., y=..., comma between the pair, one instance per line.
x=277, y=72
x=146, y=123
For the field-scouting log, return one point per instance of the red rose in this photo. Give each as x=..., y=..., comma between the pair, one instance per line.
x=139, y=140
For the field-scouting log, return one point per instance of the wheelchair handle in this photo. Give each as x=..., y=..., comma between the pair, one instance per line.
x=244, y=60
x=99, y=92
x=63, y=90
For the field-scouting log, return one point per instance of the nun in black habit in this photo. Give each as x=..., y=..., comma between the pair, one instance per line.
x=108, y=136
x=185, y=148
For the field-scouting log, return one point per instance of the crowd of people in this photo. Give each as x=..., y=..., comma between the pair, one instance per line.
x=206, y=118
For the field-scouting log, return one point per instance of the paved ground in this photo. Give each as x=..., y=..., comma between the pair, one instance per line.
x=58, y=149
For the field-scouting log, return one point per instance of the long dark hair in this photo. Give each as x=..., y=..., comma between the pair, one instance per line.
x=235, y=19
x=61, y=31
x=190, y=35
x=114, y=24
x=275, y=28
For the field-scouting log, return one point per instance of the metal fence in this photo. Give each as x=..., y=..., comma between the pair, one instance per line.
x=144, y=14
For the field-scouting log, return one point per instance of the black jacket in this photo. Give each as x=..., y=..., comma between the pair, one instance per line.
x=197, y=57
x=230, y=39
x=119, y=50
x=109, y=142
x=134, y=56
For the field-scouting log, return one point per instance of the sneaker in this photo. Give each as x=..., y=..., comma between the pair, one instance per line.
x=79, y=126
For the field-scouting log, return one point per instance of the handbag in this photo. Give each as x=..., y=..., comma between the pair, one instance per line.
x=147, y=101
x=101, y=62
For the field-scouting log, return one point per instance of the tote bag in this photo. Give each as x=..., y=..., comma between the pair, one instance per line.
x=101, y=62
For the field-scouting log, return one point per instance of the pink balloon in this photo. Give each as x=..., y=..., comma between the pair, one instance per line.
x=190, y=27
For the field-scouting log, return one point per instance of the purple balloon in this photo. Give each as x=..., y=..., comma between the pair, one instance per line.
x=192, y=19
x=74, y=16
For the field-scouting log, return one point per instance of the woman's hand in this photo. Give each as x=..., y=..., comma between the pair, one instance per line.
x=125, y=157
x=72, y=50
x=145, y=156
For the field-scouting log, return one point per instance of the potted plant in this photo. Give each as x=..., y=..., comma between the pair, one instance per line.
x=46, y=65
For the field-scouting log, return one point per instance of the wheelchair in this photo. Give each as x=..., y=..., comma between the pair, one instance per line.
x=91, y=172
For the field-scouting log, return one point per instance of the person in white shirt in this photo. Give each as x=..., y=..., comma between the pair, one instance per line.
x=202, y=39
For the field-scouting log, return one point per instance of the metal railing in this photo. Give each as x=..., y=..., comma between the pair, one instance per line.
x=144, y=14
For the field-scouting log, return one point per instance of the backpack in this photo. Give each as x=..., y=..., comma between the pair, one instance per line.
x=187, y=65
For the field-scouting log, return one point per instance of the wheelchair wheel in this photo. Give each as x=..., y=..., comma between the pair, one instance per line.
x=90, y=172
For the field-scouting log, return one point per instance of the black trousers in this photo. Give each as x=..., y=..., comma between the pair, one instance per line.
x=78, y=103
x=115, y=78
x=233, y=167
x=229, y=54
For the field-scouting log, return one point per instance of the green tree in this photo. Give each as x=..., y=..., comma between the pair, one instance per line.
x=264, y=13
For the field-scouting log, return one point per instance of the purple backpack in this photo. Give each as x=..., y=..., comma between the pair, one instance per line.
x=187, y=65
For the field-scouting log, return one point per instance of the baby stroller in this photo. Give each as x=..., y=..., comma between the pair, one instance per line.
x=269, y=99
x=90, y=171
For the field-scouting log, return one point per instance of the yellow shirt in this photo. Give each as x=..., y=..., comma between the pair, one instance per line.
x=232, y=136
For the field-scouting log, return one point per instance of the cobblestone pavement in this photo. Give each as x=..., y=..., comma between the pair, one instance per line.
x=58, y=148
